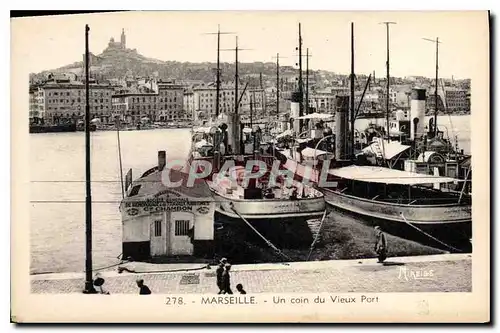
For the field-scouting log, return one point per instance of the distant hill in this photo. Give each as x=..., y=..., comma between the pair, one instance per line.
x=116, y=63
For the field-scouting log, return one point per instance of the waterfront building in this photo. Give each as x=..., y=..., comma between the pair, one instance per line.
x=457, y=99
x=322, y=101
x=61, y=99
x=188, y=101
x=36, y=105
x=165, y=104
x=204, y=100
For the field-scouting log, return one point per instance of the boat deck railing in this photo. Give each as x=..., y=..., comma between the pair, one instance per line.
x=420, y=198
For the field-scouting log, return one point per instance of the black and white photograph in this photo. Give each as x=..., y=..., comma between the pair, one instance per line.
x=308, y=164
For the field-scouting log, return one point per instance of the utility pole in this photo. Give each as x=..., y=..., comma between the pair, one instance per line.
x=437, y=78
x=89, y=283
x=217, y=80
x=388, y=78
x=352, y=92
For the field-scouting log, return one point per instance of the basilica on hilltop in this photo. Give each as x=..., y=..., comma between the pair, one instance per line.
x=118, y=45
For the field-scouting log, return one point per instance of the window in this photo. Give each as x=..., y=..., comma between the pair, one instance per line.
x=182, y=227
x=134, y=190
x=157, y=228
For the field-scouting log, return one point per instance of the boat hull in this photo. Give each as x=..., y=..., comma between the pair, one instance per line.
x=451, y=224
x=269, y=208
x=285, y=223
x=52, y=128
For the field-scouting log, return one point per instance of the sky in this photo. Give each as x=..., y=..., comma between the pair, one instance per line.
x=44, y=43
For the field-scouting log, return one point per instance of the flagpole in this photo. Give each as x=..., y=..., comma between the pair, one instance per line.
x=89, y=284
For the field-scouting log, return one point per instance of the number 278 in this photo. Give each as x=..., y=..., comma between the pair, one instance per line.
x=174, y=301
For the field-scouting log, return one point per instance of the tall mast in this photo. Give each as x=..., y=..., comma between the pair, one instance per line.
x=388, y=78
x=251, y=111
x=307, y=81
x=352, y=91
x=437, y=78
x=218, y=73
x=301, y=89
x=263, y=102
x=436, y=91
x=89, y=284
x=217, y=80
x=236, y=99
x=277, y=85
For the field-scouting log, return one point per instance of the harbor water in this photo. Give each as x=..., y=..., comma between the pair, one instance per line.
x=57, y=207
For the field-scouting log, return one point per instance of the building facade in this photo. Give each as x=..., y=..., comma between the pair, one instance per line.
x=204, y=100
x=64, y=101
x=188, y=101
x=165, y=105
x=36, y=105
x=457, y=99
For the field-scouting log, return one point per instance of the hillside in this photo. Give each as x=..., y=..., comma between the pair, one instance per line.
x=119, y=63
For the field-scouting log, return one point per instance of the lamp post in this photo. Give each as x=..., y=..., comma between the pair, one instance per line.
x=89, y=283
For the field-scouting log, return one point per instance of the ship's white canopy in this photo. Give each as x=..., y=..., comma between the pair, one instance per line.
x=389, y=150
x=206, y=129
x=311, y=153
x=316, y=115
x=374, y=174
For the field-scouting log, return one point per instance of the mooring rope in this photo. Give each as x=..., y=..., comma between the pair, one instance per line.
x=258, y=233
x=121, y=269
x=317, y=235
x=434, y=238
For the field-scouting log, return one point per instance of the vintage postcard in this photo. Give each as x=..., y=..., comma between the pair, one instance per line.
x=251, y=167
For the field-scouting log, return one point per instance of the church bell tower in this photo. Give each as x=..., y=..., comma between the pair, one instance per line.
x=123, y=40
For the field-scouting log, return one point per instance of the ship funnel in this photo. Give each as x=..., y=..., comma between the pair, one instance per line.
x=341, y=114
x=295, y=111
x=417, y=113
x=162, y=159
x=234, y=133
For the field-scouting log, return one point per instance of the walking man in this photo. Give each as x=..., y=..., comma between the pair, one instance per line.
x=219, y=272
x=380, y=244
x=226, y=280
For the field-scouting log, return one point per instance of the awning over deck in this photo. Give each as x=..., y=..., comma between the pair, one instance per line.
x=388, y=149
x=373, y=174
x=310, y=153
x=317, y=116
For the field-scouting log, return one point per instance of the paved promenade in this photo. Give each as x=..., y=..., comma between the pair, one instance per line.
x=438, y=273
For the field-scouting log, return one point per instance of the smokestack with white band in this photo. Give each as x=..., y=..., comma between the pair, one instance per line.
x=295, y=111
x=417, y=114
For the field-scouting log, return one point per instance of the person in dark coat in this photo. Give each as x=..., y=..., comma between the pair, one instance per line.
x=226, y=280
x=240, y=289
x=380, y=244
x=99, y=282
x=143, y=289
x=219, y=272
